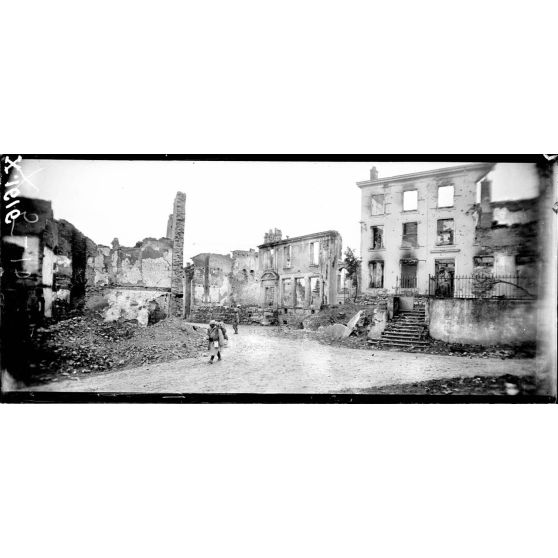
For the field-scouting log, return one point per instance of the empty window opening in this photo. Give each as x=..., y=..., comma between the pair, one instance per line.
x=377, y=237
x=314, y=253
x=445, y=196
x=445, y=232
x=484, y=261
x=269, y=296
x=410, y=235
x=410, y=200
x=377, y=204
x=314, y=291
x=300, y=291
x=287, y=256
x=287, y=292
x=376, y=269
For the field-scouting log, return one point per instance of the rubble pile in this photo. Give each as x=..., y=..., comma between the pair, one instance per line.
x=339, y=315
x=81, y=345
x=526, y=350
x=330, y=326
x=506, y=385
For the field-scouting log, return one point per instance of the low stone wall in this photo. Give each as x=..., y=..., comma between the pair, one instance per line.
x=248, y=315
x=380, y=300
x=482, y=321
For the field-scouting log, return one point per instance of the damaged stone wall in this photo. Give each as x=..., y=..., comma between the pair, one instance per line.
x=51, y=260
x=123, y=280
x=177, y=270
x=223, y=280
x=42, y=269
x=211, y=280
x=245, y=283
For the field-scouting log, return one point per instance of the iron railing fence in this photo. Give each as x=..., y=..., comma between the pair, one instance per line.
x=482, y=286
x=407, y=284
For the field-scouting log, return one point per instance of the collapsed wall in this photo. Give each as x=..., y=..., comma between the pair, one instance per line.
x=126, y=282
x=506, y=240
x=45, y=260
x=221, y=280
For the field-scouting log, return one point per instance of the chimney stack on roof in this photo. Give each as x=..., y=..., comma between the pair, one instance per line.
x=373, y=173
x=273, y=236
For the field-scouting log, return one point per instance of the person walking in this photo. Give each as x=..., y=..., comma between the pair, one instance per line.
x=217, y=334
x=236, y=320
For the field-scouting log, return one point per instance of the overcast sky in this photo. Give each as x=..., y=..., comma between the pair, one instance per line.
x=229, y=205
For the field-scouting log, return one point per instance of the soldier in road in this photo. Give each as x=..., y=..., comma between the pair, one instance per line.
x=217, y=335
x=236, y=319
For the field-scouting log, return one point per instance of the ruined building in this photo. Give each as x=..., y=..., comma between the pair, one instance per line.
x=125, y=279
x=455, y=262
x=50, y=263
x=222, y=280
x=44, y=260
x=417, y=225
x=506, y=240
x=291, y=276
x=299, y=275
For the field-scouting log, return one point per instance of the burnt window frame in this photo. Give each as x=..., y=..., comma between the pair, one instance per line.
x=370, y=264
x=373, y=228
x=404, y=242
x=452, y=239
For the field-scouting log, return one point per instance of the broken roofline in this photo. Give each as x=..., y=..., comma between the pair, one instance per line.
x=299, y=238
x=149, y=238
x=484, y=167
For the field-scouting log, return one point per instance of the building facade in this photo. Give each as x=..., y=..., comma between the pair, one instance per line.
x=300, y=274
x=418, y=226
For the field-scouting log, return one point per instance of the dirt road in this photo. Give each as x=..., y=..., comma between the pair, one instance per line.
x=258, y=361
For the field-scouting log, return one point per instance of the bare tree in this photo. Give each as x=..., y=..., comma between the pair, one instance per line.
x=352, y=267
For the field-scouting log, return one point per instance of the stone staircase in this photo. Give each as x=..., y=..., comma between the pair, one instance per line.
x=407, y=329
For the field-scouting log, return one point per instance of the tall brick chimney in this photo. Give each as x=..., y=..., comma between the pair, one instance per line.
x=486, y=210
x=177, y=270
x=169, y=226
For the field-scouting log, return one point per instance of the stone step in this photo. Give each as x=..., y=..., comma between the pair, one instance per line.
x=404, y=344
x=410, y=334
x=402, y=339
x=411, y=312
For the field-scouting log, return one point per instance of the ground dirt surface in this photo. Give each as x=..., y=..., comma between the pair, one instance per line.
x=265, y=360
